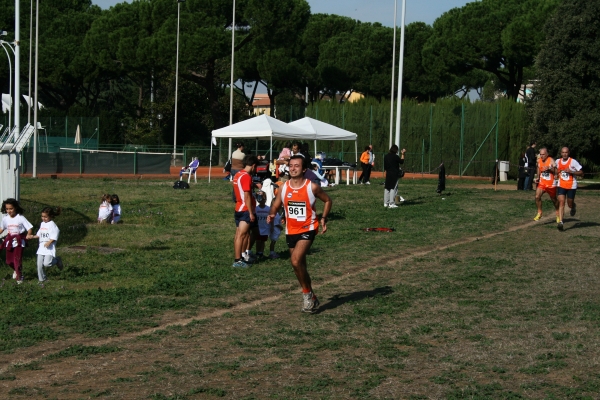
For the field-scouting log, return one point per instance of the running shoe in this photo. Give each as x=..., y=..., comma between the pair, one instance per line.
x=573, y=210
x=385, y=205
x=310, y=304
x=538, y=216
x=20, y=281
x=401, y=199
x=60, y=264
x=367, y=183
x=273, y=256
x=393, y=206
x=240, y=264
x=560, y=226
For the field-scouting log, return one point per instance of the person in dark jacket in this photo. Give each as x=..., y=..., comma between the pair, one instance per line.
x=531, y=165
x=522, y=172
x=391, y=166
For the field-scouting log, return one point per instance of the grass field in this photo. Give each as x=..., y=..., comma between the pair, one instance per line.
x=468, y=298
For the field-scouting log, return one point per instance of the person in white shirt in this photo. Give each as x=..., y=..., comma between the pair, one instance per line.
x=18, y=228
x=48, y=235
x=105, y=211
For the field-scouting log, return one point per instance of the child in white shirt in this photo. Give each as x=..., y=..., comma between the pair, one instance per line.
x=48, y=235
x=266, y=231
x=105, y=211
x=18, y=230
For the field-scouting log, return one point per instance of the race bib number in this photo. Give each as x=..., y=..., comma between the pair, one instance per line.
x=44, y=236
x=296, y=210
x=564, y=176
x=546, y=175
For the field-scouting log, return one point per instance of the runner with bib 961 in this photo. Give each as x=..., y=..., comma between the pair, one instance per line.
x=298, y=196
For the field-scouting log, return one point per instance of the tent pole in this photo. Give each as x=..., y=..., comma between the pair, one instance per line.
x=210, y=161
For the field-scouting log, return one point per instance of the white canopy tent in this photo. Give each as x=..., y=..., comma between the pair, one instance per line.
x=325, y=131
x=261, y=127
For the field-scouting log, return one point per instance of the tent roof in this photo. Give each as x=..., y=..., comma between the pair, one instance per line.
x=323, y=130
x=263, y=126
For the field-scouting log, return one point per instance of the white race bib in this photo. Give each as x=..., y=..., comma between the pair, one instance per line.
x=564, y=175
x=546, y=175
x=296, y=210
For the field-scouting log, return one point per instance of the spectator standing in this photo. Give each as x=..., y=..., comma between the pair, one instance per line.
x=522, y=172
x=366, y=162
x=237, y=158
x=391, y=166
x=530, y=165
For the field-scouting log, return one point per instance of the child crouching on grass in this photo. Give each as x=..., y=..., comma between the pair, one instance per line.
x=106, y=210
x=48, y=235
x=266, y=230
x=116, y=209
x=18, y=230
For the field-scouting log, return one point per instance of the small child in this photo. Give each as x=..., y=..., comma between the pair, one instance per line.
x=48, y=235
x=266, y=230
x=105, y=211
x=18, y=229
x=116, y=209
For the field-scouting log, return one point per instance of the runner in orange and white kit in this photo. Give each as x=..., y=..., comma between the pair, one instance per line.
x=546, y=170
x=245, y=207
x=567, y=169
x=298, y=196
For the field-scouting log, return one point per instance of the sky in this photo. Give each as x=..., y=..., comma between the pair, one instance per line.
x=369, y=10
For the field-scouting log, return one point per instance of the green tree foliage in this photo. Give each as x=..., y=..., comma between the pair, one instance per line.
x=501, y=37
x=419, y=83
x=319, y=29
x=566, y=100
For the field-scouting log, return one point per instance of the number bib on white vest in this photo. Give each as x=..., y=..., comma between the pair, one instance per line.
x=297, y=210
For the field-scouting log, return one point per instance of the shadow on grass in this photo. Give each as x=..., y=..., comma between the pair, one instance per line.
x=337, y=300
x=583, y=225
x=73, y=228
x=593, y=186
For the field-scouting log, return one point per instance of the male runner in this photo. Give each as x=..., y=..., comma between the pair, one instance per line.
x=568, y=169
x=546, y=170
x=298, y=197
x=245, y=206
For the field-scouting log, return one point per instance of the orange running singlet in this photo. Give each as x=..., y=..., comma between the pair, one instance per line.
x=546, y=177
x=299, y=206
x=565, y=180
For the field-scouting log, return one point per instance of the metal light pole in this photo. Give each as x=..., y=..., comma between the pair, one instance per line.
x=176, y=82
x=393, y=75
x=29, y=66
x=17, y=111
x=35, y=87
x=231, y=84
x=401, y=64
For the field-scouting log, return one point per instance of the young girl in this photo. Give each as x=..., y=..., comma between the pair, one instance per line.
x=48, y=235
x=116, y=209
x=105, y=211
x=18, y=229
